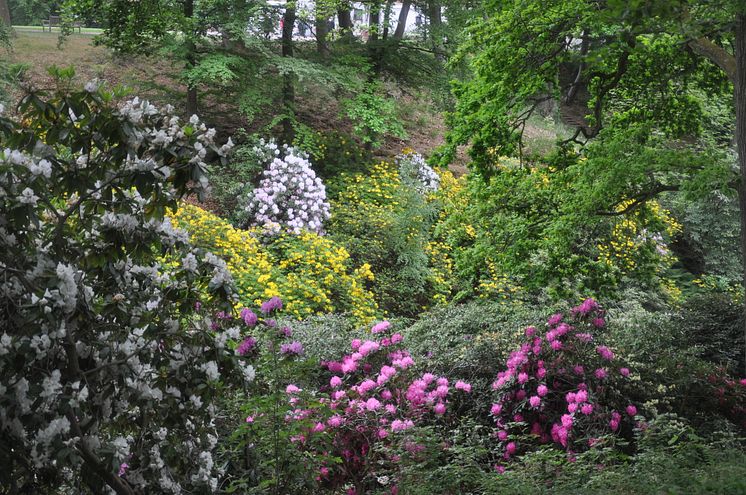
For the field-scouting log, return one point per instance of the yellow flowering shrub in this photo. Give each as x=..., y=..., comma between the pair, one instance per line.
x=636, y=241
x=391, y=226
x=310, y=273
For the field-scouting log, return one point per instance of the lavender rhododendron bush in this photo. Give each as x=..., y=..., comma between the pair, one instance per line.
x=289, y=196
x=108, y=372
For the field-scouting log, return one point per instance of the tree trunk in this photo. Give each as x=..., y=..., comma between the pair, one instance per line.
x=584, y=45
x=191, y=60
x=322, y=30
x=402, y=23
x=374, y=23
x=345, y=20
x=5, y=13
x=740, y=102
x=387, y=18
x=288, y=89
x=436, y=24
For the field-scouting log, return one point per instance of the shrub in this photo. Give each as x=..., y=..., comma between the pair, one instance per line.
x=333, y=152
x=107, y=371
x=530, y=227
x=312, y=274
x=390, y=225
x=289, y=196
x=416, y=173
x=562, y=387
x=376, y=400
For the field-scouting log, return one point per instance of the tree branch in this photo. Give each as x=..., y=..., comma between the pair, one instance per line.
x=715, y=54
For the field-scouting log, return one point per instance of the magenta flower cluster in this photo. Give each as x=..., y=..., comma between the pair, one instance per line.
x=374, y=397
x=556, y=387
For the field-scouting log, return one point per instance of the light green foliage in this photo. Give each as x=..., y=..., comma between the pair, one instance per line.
x=387, y=224
x=549, y=230
x=373, y=117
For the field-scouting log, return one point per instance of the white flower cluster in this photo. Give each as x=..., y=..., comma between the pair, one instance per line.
x=415, y=172
x=95, y=343
x=289, y=193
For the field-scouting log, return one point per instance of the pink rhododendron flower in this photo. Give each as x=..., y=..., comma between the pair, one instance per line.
x=522, y=378
x=566, y=421
x=335, y=421
x=355, y=344
x=554, y=319
x=605, y=352
x=274, y=304
x=587, y=409
x=372, y=404
x=439, y=408
x=368, y=346
x=502, y=435
x=466, y=387
x=542, y=390
x=335, y=381
x=556, y=345
x=624, y=372
x=396, y=338
x=535, y=401
x=631, y=410
x=247, y=346
x=292, y=389
x=511, y=448
x=530, y=331
x=496, y=409
x=399, y=425
x=380, y=327
x=600, y=373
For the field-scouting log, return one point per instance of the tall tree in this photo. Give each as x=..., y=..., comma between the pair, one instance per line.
x=623, y=69
x=401, y=25
x=288, y=88
x=5, y=13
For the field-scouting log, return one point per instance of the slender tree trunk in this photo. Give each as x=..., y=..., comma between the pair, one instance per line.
x=191, y=60
x=322, y=30
x=5, y=13
x=375, y=50
x=387, y=18
x=436, y=23
x=345, y=20
x=374, y=24
x=288, y=88
x=584, y=45
x=402, y=23
x=740, y=101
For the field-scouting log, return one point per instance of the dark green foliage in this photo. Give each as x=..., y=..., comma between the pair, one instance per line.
x=32, y=12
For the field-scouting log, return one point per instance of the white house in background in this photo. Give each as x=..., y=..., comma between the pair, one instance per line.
x=360, y=13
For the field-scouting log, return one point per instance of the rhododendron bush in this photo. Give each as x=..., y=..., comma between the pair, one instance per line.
x=108, y=372
x=289, y=196
x=356, y=427
x=562, y=386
